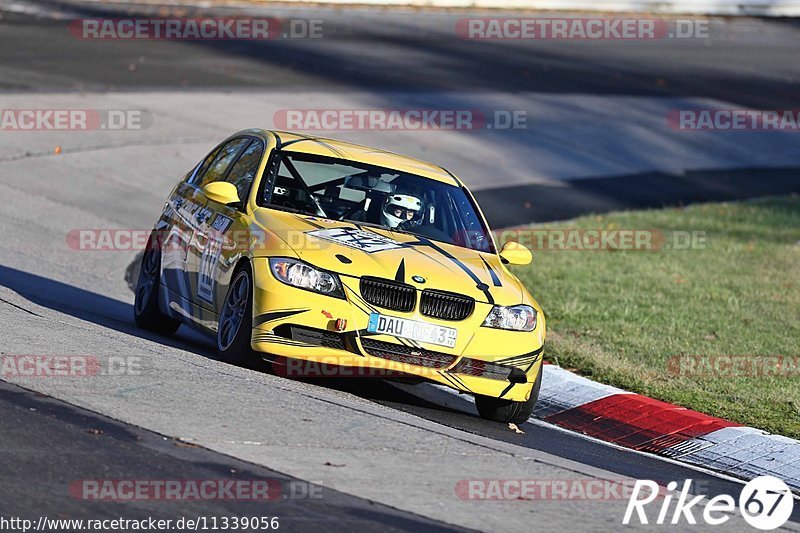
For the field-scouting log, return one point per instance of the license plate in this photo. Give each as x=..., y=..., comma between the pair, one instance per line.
x=411, y=329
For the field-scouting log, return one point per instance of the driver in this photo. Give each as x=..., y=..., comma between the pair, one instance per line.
x=400, y=209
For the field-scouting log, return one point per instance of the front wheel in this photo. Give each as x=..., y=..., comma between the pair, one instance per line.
x=236, y=321
x=508, y=411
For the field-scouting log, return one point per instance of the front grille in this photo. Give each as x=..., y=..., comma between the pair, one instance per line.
x=445, y=305
x=388, y=294
x=407, y=354
x=318, y=337
x=482, y=369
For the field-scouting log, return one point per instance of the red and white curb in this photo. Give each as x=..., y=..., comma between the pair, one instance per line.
x=641, y=423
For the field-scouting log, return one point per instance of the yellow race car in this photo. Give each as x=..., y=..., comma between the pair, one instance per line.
x=296, y=248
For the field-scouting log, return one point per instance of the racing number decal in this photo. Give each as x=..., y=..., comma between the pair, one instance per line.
x=210, y=257
x=205, y=279
x=366, y=241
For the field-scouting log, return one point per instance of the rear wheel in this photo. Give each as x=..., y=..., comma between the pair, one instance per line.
x=146, y=311
x=236, y=321
x=507, y=411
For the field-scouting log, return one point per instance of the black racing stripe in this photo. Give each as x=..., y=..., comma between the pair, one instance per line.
x=413, y=246
x=530, y=365
x=519, y=360
x=523, y=356
x=275, y=315
x=495, y=278
x=302, y=138
x=367, y=311
x=351, y=337
x=284, y=341
x=505, y=391
x=534, y=361
x=365, y=333
x=366, y=304
x=409, y=342
x=461, y=265
x=522, y=362
x=453, y=176
x=358, y=299
x=460, y=381
x=355, y=303
x=339, y=154
x=292, y=142
x=402, y=341
x=520, y=365
x=400, y=275
x=450, y=380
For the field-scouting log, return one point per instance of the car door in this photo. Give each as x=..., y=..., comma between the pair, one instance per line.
x=192, y=215
x=217, y=248
x=177, y=228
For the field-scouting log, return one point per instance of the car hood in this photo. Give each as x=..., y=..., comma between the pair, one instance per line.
x=353, y=249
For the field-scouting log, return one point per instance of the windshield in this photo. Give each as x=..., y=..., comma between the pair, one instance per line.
x=356, y=192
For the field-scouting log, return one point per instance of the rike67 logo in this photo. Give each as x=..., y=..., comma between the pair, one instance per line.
x=766, y=503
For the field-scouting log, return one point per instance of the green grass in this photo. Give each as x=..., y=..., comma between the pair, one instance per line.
x=620, y=316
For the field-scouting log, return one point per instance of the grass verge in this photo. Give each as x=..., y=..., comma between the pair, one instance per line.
x=663, y=322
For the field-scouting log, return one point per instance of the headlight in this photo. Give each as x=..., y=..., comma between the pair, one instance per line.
x=302, y=275
x=517, y=318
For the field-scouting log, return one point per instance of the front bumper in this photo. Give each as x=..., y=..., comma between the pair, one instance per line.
x=301, y=326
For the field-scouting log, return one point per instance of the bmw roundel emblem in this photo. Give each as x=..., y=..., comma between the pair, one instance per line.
x=418, y=279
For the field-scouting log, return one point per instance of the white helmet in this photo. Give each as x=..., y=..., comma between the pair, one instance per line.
x=399, y=208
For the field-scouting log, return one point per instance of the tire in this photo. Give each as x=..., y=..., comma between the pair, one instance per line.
x=507, y=411
x=235, y=326
x=146, y=311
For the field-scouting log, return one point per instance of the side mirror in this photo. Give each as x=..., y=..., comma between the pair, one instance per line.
x=222, y=192
x=515, y=254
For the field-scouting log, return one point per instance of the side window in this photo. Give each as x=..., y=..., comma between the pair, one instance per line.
x=223, y=160
x=203, y=166
x=244, y=171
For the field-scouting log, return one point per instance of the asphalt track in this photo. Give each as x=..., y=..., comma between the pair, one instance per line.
x=386, y=456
